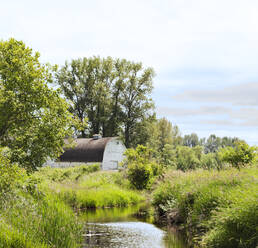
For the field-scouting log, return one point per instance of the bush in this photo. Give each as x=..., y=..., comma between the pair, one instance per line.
x=10, y=173
x=208, y=161
x=188, y=158
x=141, y=169
x=239, y=156
x=140, y=175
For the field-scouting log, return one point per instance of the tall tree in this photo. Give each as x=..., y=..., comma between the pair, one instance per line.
x=33, y=118
x=114, y=94
x=212, y=143
x=135, y=99
x=191, y=140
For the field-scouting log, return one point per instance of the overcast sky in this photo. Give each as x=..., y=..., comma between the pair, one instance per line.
x=204, y=52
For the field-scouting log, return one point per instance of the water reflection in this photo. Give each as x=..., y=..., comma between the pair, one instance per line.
x=124, y=234
x=124, y=228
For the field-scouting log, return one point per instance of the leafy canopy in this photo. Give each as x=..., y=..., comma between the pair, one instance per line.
x=113, y=94
x=33, y=118
x=239, y=156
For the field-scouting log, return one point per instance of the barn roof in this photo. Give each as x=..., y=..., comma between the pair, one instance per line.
x=86, y=150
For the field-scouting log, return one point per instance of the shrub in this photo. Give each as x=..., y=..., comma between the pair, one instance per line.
x=140, y=175
x=239, y=156
x=140, y=167
x=208, y=161
x=10, y=173
x=188, y=158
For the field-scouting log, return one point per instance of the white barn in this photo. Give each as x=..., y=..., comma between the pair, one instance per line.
x=108, y=151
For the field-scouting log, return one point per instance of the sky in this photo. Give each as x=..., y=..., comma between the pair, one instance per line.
x=204, y=52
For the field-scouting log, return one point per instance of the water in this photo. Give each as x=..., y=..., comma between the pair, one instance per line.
x=127, y=228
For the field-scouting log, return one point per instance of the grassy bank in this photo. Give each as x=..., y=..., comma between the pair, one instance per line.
x=85, y=187
x=34, y=220
x=29, y=217
x=38, y=210
x=215, y=208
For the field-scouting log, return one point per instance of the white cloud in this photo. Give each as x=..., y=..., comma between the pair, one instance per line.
x=240, y=94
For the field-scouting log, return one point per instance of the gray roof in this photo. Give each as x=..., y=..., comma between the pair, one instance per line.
x=85, y=150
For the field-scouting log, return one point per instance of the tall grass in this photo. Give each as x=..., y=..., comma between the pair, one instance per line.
x=217, y=208
x=37, y=212
x=38, y=222
x=34, y=216
x=99, y=189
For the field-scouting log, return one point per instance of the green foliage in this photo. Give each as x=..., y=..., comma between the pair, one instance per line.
x=209, y=161
x=188, y=158
x=239, y=156
x=107, y=195
x=113, y=94
x=33, y=118
x=168, y=156
x=213, y=143
x=10, y=174
x=140, y=168
x=12, y=238
x=163, y=133
x=218, y=208
x=191, y=140
x=139, y=174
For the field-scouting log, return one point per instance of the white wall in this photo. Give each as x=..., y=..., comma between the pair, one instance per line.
x=54, y=164
x=113, y=154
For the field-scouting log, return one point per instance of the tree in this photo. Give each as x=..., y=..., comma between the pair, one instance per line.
x=209, y=161
x=33, y=118
x=239, y=156
x=136, y=103
x=191, y=140
x=163, y=139
x=114, y=94
x=212, y=144
x=168, y=156
x=144, y=132
x=162, y=132
x=84, y=86
x=188, y=158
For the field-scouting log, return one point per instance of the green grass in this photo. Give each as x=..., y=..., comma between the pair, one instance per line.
x=218, y=209
x=33, y=215
x=38, y=212
x=98, y=189
x=28, y=221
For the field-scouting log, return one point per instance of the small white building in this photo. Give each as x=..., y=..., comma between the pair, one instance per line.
x=108, y=151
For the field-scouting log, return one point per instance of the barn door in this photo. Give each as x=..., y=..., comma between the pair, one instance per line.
x=113, y=165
